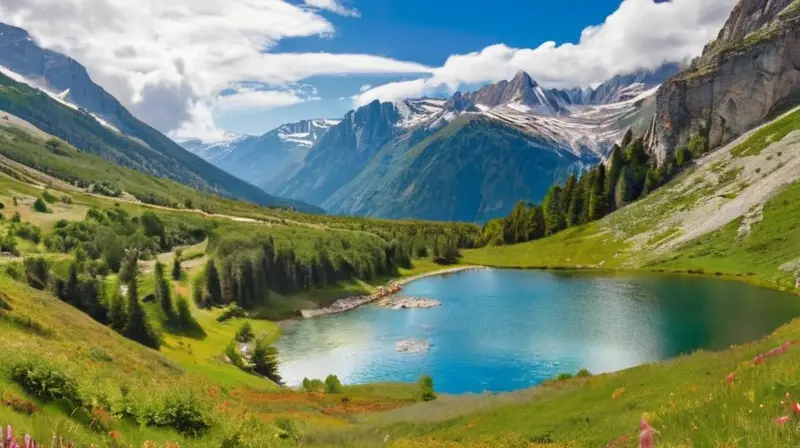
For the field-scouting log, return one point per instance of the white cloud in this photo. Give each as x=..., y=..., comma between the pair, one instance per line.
x=168, y=61
x=333, y=6
x=365, y=87
x=640, y=34
x=250, y=99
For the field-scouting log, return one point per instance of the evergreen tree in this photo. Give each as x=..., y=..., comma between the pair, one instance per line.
x=129, y=268
x=570, y=187
x=213, y=287
x=117, y=313
x=597, y=203
x=622, y=189
x=137, y=327
x=616, y=163
x=575, y=208
x=177, y=270
x=627, y=138
x=90, y=291
x=265, y=361
x=587, y=195
x=71, y=291
x=185, y=319
x=163, y=293
x=554, y=219
x=538, y=224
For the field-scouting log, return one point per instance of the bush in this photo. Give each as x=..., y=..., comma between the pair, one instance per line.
x=288, y=428
x=584, y=373
x=265, y=361
x=66, y=199
x=46, y=381
x=50, y=198
x=564, y=376
x=333, y=385
x=182, y=411
x=232, y=312
x=313, y=385
x=37, y=272
x=426, y=392
x=235, y=356
x=245, y=333
x=41, y=206
x=2, y=206
x=28, y=231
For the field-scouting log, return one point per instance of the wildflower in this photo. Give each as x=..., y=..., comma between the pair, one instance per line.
x=730, y=378
x=782, y=420
x=758, y=359
x=646, y=436
x=796, y=408
x=114, y=435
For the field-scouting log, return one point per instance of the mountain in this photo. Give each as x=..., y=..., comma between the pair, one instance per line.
x=755, y=52
x=469, y=157
x=260, y=159
x=56, y=94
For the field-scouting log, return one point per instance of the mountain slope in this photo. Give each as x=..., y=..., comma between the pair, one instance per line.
x=756, y=51
x=449, y=158
x=260, y=159
x=97, y=123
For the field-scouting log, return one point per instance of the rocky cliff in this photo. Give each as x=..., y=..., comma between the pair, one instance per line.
x=748, y=75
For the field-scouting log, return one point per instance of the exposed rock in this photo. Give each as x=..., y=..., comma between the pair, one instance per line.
x=758, y=50
x=413, y=346
x=402, y=303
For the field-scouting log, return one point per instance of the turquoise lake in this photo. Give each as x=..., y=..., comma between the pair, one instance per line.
x=501, y=330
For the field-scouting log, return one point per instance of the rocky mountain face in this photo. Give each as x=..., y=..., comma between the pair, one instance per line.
x=758, y=50
x=260, y=159
x=469, y=157
x=55, y=93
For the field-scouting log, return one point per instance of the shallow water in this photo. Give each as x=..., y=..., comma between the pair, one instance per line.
x=501, y=330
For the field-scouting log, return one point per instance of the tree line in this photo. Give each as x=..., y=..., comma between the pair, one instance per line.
x=629, y=174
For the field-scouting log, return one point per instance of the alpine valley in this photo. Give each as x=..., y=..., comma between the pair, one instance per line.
x=469, y=157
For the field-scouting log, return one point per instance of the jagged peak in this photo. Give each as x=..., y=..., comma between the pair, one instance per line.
x=523, y=77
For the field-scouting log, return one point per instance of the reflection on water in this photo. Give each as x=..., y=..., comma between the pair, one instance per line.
x=502, y=330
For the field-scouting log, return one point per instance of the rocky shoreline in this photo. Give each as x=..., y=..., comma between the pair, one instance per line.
x=383, y=292
x=404, y=303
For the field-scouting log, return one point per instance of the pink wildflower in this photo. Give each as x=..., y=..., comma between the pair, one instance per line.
x=646, y=436
x=796, y=408
x=782, y=420
x=758, y=359
x=730, y=378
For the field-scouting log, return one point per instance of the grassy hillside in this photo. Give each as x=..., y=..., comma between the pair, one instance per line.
x=153, y=153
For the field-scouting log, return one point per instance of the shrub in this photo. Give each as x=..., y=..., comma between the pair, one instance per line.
x=180, y=410
x=41, y=206
x=9, y=244
x=2, y=206
x=426, y=392
x=18, y=404
x=245, y=333
x=265, y=361
x=333, y=385
x=232, y=312
x=50, y=198
x=584, y=373
x=235, y=356
x=564, y=376
x=313, y=385
x=37, y=272
x=28, y=231
x=99, y=355
x=66, y=199
x=46, y=381
x=288, y=428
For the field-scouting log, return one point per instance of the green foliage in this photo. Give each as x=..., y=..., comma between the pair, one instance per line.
x=186, y=320
x=564, y=376
x=137, y=327
x=767, y=135
x=37, y=272
x=46, y=381
x=8, y=243
x=27, y=231
x=426, y=392
x=583, y=373
x=265, y=361
x=213, y=287
x=232, y=312
x=41, y=206
x=177, y=271
x=182, y=410
x=163, y=293
x=48, y=197
x=245, y=333
x=313, y=385
x=333, y=385
x=235, y=356
x=698, y=145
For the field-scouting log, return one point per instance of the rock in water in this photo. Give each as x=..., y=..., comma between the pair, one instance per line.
x=413, y=346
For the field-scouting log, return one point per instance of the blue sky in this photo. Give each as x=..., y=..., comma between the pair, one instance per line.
x=202, y=69
x=424, y=31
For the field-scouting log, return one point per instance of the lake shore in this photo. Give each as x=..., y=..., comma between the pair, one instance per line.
x=390, y=289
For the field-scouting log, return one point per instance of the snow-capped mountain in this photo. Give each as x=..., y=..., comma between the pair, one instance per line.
x=260, y=159
x=452, y=158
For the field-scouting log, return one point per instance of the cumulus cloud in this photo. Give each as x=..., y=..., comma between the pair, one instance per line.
x=640, y=34
x=333, y=6
x=169, y=61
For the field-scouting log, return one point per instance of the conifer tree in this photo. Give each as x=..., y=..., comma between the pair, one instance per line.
x=597, y=204
x=163, y=293
x=71, y=291
x=177, y=270
x=265, y=361
x=137, y=327
x=117, y=311
x=213, y=287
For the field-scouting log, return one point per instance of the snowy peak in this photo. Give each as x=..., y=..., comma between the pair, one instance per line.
x=304, y=133
x=521, y=93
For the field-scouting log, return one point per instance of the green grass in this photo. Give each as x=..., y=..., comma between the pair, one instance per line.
x=771, y=243
x=774, y=132
x=587, y=246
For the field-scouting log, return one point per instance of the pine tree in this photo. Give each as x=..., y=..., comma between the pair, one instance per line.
x=597, y=204
x=265, y=361
x=185, y=319
x=129, y=268
x=71, y=290
x=570, y=187
x=575, y=208
x=137, y=327
x=616, y=162
x=177, y=270
x=537, y=226
x=554, y=219
x=622, y=189
x=117, y=313
x=90, y=290
x=213, y=287
x=163, y=293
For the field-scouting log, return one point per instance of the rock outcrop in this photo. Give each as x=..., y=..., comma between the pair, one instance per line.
x=750, y=74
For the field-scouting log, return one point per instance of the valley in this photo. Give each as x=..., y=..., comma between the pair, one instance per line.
x=614, y=265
